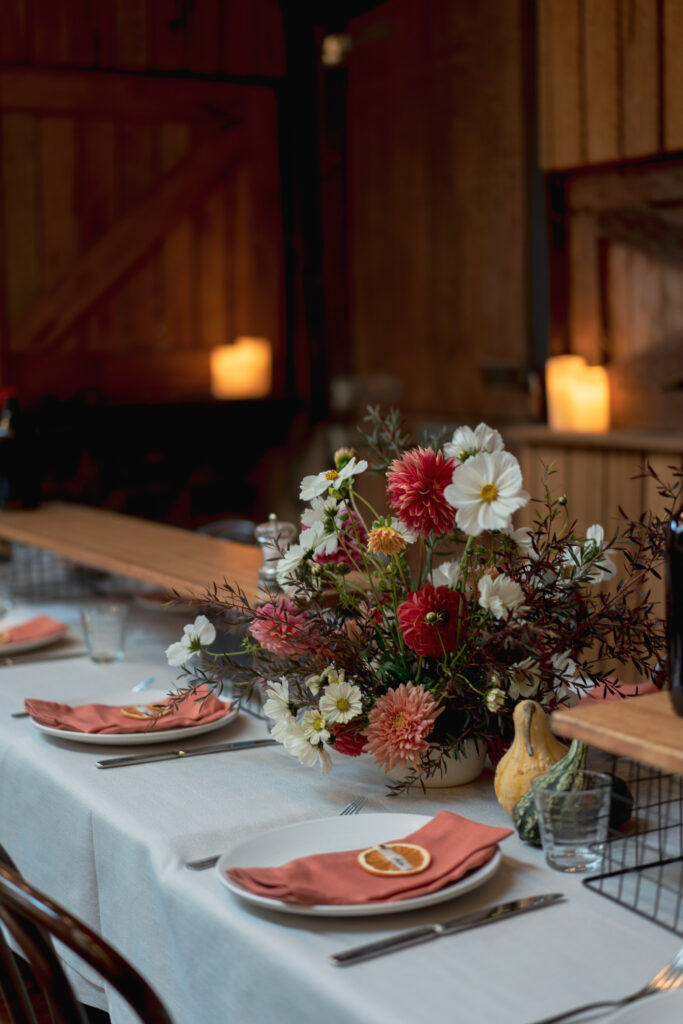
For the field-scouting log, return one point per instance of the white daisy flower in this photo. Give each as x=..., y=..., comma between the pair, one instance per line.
x=314, y=725
x=499, y=595
x=447, y=574
x=196, y=635
x=524, y=678
x=486, y=491
x=277, y=705
x=340, y=702
x=467, y=442
x=314, y=486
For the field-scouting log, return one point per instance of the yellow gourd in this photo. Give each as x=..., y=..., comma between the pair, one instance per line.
x=533, y=749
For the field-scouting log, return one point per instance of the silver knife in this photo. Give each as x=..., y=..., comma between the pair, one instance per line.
x=172, y=755
x=435, y=931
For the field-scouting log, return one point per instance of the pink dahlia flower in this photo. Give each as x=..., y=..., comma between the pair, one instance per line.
x=415, y=485
x=279, y=627
x=399, y=724
x=432, y=620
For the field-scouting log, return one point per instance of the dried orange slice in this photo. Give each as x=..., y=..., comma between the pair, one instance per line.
x=395, y=859
x=145, y=712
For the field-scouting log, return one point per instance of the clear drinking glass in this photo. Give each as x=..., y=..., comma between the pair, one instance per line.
x=104, y=628
x=574, y=822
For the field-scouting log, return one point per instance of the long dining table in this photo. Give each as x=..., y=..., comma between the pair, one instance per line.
x=111, y=846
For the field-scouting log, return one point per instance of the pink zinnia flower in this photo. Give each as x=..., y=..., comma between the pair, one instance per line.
x=432, y=620
x=351, y=541
x=399, y=724
x=279, y=627
x=415, y=486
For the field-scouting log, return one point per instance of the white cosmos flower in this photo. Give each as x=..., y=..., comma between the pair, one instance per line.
x=314, y=486
x=447, y=574
x=326, y=516
x=603, y=567
x=467, y=442
x=500, y=595
x=314, y=725
x=196, y=635
x=277, y=705
x=295, y=742
x=288, y=566
x=486, y=491
x=340, y=702
x=524, y=678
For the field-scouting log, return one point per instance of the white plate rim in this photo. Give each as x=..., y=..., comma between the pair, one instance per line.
x=24, y=646
x=377, y=825
x=648, y=1011
x=135, y=738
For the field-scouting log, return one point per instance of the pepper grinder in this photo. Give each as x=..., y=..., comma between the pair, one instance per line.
x=273, y=537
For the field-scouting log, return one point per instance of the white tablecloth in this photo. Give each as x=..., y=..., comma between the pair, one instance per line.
x=110, y=846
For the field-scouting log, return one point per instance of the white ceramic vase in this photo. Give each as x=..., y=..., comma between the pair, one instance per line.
x=457, y=770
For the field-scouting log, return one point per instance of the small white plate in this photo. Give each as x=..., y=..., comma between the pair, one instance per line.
x=23, y=646
x=660, y=1008
x=116, y=739
x=327, y=835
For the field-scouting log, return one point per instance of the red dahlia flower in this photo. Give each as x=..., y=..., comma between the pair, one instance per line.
x=415, y=486
x=349, y=738
x=432, y=620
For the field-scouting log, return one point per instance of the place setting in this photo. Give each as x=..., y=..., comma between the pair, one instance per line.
x=29, y=638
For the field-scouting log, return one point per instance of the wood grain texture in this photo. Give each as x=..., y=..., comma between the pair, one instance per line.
x=640, y=78
x=643, y=728
x=673, y=74
x=166, y=556
x=601, y=81
x=128, y=241
x=561, y=83
x=21, y=243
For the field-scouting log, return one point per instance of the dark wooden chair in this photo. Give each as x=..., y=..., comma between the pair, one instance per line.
x=33, y=921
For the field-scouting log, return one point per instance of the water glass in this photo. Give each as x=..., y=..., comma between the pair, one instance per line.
x=104, y=628
x=574, y=822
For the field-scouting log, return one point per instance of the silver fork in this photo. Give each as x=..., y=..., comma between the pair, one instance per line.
x=666, y=980
x=352, y=807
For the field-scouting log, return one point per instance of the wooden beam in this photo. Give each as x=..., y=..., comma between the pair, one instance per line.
x=127, y=241
x=129, y=97
x=655, y=231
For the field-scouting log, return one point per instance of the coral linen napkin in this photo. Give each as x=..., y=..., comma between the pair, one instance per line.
x=457, y=846
x=107, y=718
x=34, y=629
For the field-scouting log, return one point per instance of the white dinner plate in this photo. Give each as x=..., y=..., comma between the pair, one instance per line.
x=122, y=698
x=23, y=646
x=327, y=835
x=660, y=1008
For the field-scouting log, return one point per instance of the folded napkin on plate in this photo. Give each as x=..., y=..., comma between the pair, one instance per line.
x=34, y=629
x=457, y=846
x=107, y=718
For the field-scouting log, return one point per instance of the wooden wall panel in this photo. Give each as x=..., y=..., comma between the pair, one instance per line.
x=601, y=92
x=673, y=74
x=23, y=256
x=639, y=44
x=436, y=208
x=608, y=79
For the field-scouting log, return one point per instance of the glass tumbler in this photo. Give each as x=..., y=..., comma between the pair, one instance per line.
x=104, y=629
x=574, y=822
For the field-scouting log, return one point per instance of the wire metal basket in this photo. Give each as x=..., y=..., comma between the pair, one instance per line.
x=642, y=865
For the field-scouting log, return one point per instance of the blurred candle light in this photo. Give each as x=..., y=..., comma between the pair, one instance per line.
x=590, y=400
x=577, y=395
x=559, y=373
x=243, y=369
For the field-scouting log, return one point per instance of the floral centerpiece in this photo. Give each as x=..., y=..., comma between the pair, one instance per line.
x=407, y=632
